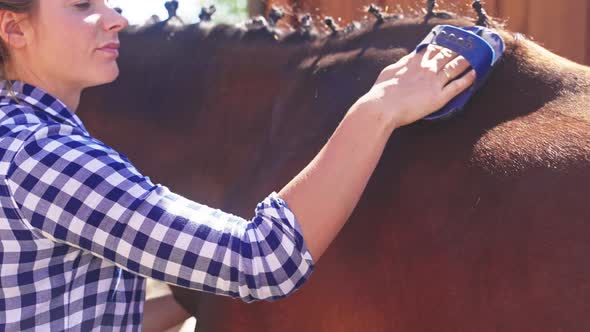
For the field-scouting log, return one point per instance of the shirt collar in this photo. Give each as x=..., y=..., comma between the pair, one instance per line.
x=40, y=100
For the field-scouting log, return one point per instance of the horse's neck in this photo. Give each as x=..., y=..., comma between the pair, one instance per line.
x=203, y=69
x=247, y=81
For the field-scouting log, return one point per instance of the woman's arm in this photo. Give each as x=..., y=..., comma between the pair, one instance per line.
x=73, y=189
x=324, y=194
x=162, y=313
x=404, y=92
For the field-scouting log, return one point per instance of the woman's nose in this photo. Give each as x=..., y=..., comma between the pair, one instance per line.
x=113, y=21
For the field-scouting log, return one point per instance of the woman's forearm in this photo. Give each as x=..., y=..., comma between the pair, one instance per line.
x=325, y=193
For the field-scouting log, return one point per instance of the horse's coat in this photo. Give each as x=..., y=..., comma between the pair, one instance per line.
x=478, y=223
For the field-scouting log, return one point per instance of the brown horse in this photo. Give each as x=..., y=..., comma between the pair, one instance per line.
x=477, y=223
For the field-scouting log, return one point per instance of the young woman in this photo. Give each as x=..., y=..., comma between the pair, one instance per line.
x=81, y=228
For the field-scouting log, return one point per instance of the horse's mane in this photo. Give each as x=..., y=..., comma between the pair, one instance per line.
x=259, y=32
x=308, y=28
x=313, y=32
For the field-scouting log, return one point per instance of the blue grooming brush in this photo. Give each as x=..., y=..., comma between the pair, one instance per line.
x=482, y=47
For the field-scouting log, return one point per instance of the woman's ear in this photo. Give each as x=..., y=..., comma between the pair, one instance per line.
x=10, y=29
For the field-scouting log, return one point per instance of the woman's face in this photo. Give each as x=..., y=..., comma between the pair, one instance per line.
x=74, y=42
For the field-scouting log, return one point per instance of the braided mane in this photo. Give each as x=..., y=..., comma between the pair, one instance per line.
x=308, y=28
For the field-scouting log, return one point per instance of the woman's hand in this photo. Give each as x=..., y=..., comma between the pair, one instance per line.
x=417, y=85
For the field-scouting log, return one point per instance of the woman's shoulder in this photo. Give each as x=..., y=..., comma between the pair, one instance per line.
x=17, y=122
x=19, y=117
x=13, y=112
x=22, y=125
x=52, y=135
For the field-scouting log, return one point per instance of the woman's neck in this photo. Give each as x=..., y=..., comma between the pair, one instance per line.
x=66, y=93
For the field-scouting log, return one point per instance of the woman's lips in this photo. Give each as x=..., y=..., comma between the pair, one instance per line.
x=111, y=48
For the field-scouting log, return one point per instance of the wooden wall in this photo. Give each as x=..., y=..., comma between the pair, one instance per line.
x=562, y=26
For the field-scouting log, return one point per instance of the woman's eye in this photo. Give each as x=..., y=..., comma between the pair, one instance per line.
x=83, y=5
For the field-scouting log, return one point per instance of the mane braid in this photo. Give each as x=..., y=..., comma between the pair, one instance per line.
x=482, y=16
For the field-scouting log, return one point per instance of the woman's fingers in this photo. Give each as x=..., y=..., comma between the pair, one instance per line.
x=455, y=87
x=430, y=52
x=444, y=57
x=438, y=54
x=446, y=64
x=453, y=69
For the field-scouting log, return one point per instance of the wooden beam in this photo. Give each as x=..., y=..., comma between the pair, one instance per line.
x=560, y=26
x=516, y=13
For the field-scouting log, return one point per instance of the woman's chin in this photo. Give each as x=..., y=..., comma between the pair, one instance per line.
x=106, y=76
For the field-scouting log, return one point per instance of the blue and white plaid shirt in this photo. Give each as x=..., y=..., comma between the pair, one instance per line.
x=81, y=228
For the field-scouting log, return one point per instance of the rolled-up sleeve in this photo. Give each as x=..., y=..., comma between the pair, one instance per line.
x=74, y=189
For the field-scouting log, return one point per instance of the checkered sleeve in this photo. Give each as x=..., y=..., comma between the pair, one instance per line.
x=74, y=189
